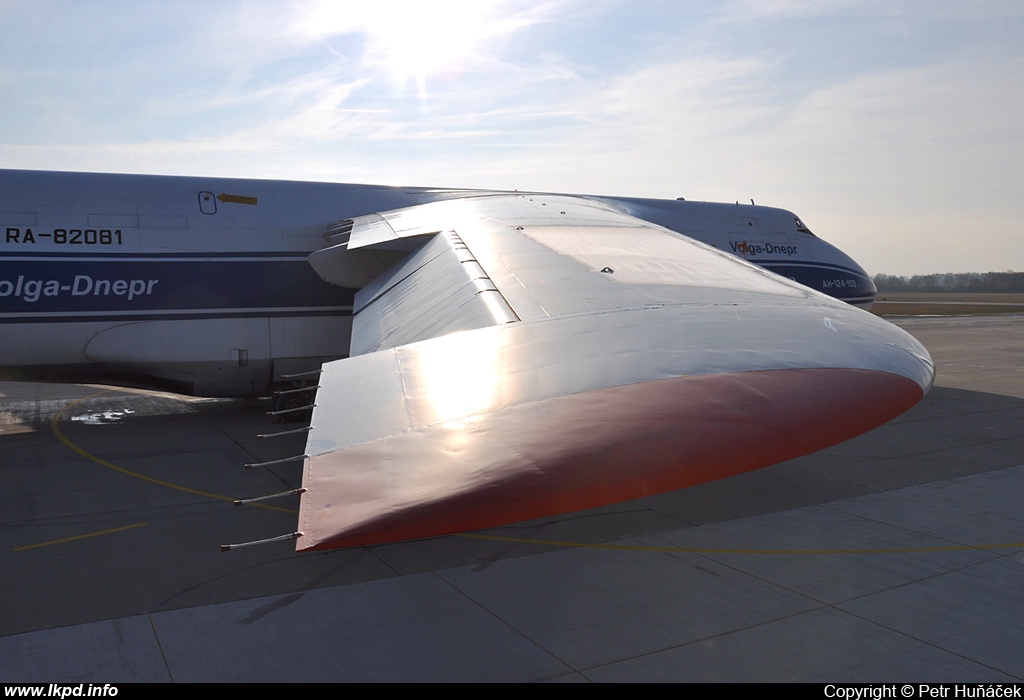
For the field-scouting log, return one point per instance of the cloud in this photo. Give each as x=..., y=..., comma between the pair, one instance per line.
x=905, y=111
x=746, y=10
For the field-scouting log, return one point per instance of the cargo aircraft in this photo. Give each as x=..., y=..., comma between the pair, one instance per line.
x=477, y=357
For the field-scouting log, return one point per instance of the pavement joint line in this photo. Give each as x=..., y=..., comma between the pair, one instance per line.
x=60, y=436
x=715, y=550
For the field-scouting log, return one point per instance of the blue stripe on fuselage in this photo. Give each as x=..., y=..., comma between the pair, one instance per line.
x=58, y=287
x=837, y=281
x=68, y=288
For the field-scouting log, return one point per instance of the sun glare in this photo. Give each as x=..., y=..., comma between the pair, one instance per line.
x=416, y=41
x=427, y=39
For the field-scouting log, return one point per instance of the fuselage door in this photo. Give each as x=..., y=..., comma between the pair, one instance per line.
x=207, y=203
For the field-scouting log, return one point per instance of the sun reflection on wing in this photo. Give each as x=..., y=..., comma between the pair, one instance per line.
x=461, y=377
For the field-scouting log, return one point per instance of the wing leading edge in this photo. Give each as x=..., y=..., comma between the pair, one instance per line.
x=539, y=355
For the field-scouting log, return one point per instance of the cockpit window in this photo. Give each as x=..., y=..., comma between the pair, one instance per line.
x=801, y=226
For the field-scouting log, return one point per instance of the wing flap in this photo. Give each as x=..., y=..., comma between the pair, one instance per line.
x=438, y=289
x=596, y=448
x=546, y=354
x=501, y=424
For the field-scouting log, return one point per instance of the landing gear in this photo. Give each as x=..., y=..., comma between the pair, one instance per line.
x=292, y=402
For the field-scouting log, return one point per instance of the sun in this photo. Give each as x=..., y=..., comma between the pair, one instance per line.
x=428, y=38
x=414, y=41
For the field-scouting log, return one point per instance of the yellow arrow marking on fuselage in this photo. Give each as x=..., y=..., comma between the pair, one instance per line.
x=236, y=199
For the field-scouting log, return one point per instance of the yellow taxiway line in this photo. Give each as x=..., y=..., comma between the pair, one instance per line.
x=696, y=550
x=79, y=537
x=60, y=436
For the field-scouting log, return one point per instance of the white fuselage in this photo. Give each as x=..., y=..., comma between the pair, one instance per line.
x=202, y=285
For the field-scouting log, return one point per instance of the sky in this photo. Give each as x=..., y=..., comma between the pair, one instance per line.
x=894, y=129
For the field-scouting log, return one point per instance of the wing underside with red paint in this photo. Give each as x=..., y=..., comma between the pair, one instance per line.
x=532, y=355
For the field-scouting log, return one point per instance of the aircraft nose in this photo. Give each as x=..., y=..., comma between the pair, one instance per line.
x=844, y=278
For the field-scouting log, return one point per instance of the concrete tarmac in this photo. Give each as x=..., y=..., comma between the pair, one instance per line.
x=897, y=556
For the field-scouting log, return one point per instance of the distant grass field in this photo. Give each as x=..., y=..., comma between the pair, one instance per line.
x=918, y=304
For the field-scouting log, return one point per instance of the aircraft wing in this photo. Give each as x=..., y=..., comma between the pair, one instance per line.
x=528, y=355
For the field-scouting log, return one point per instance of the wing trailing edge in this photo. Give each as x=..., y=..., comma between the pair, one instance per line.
x=502, y=424
x=541, y=355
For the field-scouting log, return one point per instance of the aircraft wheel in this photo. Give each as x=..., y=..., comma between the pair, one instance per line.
x=292, y=402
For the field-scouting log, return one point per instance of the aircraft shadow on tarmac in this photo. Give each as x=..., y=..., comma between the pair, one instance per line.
x=158, y=472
